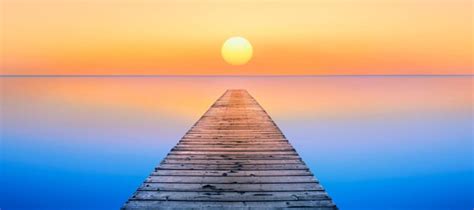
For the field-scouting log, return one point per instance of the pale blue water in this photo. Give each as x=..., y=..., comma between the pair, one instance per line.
x=374, y=142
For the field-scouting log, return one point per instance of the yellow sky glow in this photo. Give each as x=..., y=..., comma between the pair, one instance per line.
x=185, y=37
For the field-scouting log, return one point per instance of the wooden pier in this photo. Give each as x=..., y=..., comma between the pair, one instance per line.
x=233, y=157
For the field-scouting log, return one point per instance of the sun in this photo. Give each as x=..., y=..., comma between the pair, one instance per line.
x=237, y=51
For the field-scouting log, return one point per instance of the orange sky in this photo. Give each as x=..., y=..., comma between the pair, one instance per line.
x=185, y=36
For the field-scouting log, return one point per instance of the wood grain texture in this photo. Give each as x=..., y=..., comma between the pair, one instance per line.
x=235, y=157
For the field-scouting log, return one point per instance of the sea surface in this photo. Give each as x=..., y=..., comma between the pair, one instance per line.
x=374, y=142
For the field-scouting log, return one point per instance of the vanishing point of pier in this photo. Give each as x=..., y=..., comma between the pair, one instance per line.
x=233, y=157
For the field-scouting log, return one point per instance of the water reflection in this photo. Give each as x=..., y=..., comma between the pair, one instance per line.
x=374, y=142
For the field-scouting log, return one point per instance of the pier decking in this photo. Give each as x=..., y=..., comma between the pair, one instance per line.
x=233, y=157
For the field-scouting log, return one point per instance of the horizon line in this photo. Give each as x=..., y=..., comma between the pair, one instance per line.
x=223, y=75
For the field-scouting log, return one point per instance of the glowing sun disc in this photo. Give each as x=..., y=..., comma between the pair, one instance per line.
x=237, y=50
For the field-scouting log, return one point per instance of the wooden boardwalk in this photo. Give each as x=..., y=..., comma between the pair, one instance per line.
x=233, y=157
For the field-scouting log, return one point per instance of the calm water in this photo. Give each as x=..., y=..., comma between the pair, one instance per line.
x=374, y=142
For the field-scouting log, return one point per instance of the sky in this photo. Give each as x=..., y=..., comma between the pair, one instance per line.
x=302, y=37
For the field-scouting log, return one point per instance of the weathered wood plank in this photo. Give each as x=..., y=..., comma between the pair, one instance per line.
x=247, y=167
x=229, y=180
x=227, y=162
x=230, y=196
x=261, y=187
x=188, y=204
x=245, y=145
x=232, y=153
x=249, y=136
x=254, y=149
x=233, y=157
x=233, y=143
x=231, y=173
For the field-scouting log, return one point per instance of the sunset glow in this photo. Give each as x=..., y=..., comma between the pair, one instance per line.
x=185, y=37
